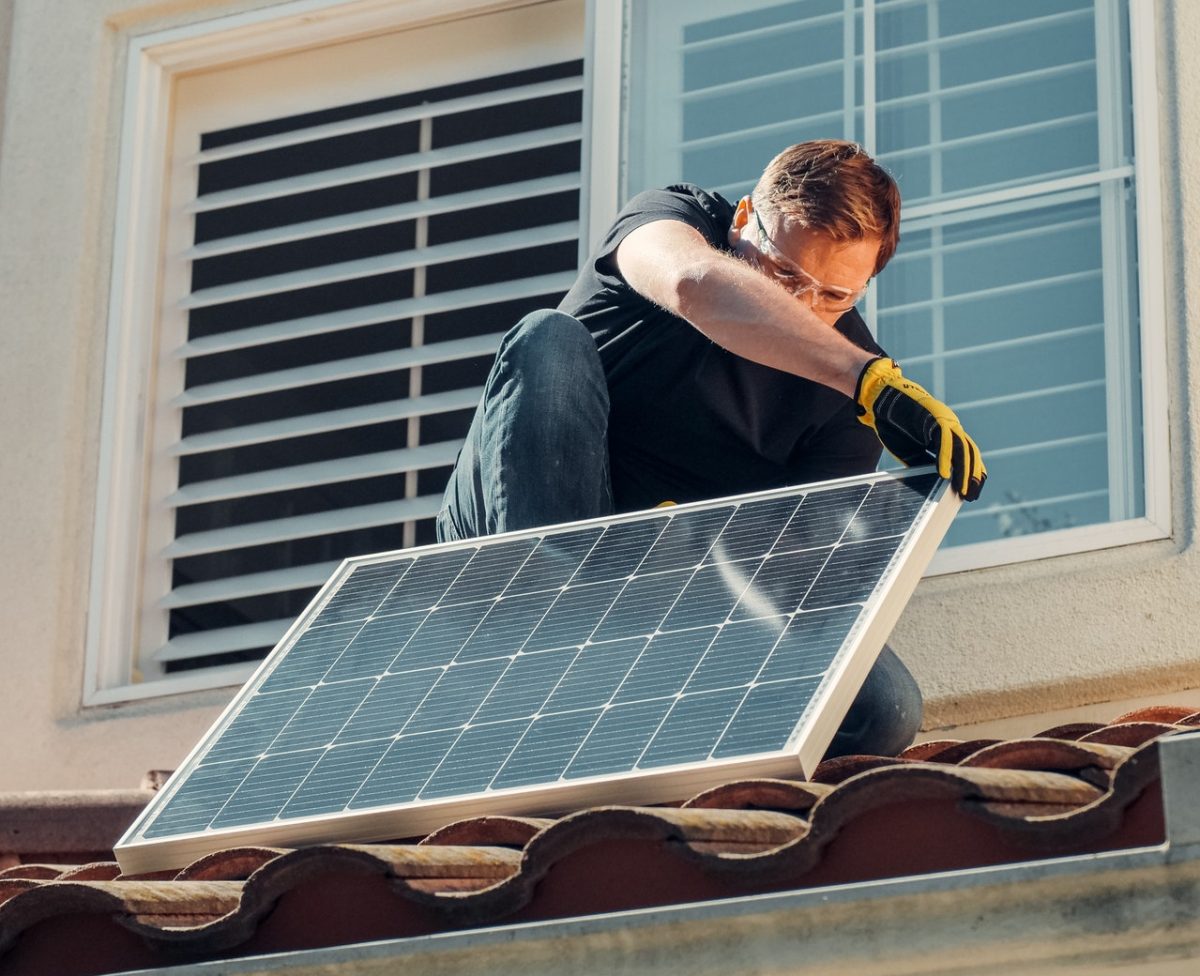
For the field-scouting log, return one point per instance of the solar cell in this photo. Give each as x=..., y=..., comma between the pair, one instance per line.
x=632, y=659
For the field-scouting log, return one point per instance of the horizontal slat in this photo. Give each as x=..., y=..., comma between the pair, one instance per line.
x=991, y=135
x=1052, y=444
x=1016, y=197
x=1027, y=340
x=881, y=54
x=967, y=296
x=426, y=110
x=950, y=92
x=1092, y=219
x=317, y=473
x=340, y=369
x=252, y=584
x=226, y=640
x=975, y=511
x=304, y=526
x=320, y=423
x=473, y=247
x=353, y=318
x=769, y=32
x=767, y=128
x=765, y=80
x=358, y=219
x=1018, y=396
x=992, y=33
x=392, y=166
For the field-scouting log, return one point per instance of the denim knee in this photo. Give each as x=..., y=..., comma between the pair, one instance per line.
x=549, y=349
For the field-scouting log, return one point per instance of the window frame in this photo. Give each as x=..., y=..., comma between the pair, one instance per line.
x=121, y=581
x=609, y=38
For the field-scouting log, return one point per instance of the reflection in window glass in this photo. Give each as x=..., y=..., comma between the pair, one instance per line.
x=1014, y=293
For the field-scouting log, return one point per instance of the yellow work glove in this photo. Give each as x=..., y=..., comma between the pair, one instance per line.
x=915, y=427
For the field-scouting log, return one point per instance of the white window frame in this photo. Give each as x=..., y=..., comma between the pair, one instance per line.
x=133, y=368
x=608, y=33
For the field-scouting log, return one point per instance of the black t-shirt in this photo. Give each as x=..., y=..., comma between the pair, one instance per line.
x=690, y=420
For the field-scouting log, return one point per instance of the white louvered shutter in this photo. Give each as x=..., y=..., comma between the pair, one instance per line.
x=345, y=268
x=1009, y=128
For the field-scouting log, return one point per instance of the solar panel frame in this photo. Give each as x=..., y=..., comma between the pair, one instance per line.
x=819, y=721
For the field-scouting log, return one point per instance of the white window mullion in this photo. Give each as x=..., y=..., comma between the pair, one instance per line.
x=938, y=260
x=418, y=322
x=1120, y=363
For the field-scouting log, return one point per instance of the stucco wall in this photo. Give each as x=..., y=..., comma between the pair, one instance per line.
x=1032, y=637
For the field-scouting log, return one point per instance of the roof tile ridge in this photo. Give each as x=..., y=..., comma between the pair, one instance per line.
x=127, y=902
x=1090, y=821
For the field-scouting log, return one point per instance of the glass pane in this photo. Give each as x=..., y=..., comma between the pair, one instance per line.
x=1022, y=315
x=1011, y=319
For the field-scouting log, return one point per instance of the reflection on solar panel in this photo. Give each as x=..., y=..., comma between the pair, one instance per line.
x=632, y=659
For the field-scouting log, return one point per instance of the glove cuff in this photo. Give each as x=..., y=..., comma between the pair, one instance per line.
x=871, y=381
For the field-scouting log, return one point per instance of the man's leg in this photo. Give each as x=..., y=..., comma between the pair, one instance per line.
x=885, y=716
x=537, y=450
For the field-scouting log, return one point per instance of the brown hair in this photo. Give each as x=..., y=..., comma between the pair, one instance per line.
x=834, y=187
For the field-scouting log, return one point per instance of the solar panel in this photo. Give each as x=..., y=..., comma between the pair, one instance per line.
x=633, y=659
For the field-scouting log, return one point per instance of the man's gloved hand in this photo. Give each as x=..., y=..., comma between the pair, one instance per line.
x=913, y=426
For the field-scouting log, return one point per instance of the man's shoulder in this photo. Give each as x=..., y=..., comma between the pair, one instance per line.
x=682, y=201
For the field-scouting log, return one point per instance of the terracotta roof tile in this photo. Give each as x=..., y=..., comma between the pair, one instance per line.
x=941, y=805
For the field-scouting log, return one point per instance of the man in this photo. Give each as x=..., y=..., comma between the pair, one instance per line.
x=708, y=349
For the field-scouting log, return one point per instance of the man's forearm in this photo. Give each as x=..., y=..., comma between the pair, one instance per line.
x=751, y=316
x=736, y=306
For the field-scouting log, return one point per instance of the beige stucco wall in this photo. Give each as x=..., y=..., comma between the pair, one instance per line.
x=1026, y=638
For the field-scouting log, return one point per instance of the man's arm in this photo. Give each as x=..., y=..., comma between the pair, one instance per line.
x=741, y=310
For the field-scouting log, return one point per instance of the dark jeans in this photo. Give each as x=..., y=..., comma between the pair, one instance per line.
x=537, y=454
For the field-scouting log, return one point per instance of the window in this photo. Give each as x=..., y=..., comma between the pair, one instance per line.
x=349, y=231
x=1017, y=294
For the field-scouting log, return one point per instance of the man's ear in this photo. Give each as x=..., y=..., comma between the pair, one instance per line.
x=741, y=216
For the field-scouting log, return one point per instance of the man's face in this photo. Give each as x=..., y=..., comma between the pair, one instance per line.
x=828, y=276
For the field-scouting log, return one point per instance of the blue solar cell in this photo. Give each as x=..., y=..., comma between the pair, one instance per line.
x=736, y=655
x=554, y=561
x=781, y=583
x=753, y=529
x=489, y=572
x=573, y=617
x=403, y=770
x=256, y=725
x=665, y=665
x=821, y=518
x=711, y=594
x=641, y=606
x=618, y=552
x=852, y=572
x=546, y=749
x=335, y=778
x=389, y=705
x=507, y=625
x=199, y=798
x=263, y=793
x=594, y=675
x=441, y=635
x=457, y=694
x=525, y=686
x=310, y=656
x=810, y=643
x=619, y=738
x=767, y=718
x=691, y=728
x=363, y=591
x=685, y=541
x=322, y=715
x=374, y=647
x=475, y=759
x=427, y=584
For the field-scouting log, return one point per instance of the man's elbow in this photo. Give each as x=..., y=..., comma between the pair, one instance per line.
x=691, y=285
